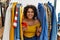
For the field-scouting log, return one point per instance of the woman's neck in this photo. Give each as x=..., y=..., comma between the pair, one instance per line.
x=29, y=19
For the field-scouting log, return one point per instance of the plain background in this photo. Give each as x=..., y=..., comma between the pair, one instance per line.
x=35, y=2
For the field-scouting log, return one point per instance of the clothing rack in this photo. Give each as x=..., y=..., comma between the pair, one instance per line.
x=40, y=12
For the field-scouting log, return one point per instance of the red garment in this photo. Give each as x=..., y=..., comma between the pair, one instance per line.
x=24, y=24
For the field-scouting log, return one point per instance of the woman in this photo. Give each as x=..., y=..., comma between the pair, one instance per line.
x=32, y=26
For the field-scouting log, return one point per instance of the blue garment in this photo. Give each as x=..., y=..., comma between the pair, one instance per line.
x=33, y=38
x=15, y=34
x=17, y=29
x=18, y=23
x=44, y=23
x=53, y=35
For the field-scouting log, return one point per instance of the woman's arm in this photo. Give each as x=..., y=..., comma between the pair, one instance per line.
x=39, y=31
x=38, y=28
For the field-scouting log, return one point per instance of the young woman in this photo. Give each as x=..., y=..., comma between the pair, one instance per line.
x=33, y=26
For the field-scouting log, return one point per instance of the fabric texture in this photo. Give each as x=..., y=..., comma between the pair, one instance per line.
x=21, y=17
x=44, y=23
x=12, y=19
x=53, y=35
x=17, y=29
x=7, y=24
x=48, y=16
x=31, y=30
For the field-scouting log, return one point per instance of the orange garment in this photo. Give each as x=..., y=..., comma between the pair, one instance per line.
x=12, y=18
x=21, y=17
x=31, y=30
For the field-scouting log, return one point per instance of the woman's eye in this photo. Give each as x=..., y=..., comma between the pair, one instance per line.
x=28, y=11
x=32, y=12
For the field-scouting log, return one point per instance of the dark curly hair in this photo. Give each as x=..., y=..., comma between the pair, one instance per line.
x=26, y=9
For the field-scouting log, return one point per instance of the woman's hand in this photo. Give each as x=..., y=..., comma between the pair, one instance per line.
x=24, y=26
x=39, y=31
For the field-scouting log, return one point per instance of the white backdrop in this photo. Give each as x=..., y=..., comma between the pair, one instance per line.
x=35, y=2
x=58, y=8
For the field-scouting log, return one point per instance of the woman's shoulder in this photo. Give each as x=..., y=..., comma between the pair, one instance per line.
x=37, y=21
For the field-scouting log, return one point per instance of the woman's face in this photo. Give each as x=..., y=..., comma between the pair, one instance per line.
x=30, y=13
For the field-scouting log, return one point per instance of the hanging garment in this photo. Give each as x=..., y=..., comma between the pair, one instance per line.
x=0, y=17
x=12, y=19
x=0, y=10
x=21, y=17
x=58, y=21
x=15, y=21
x=53, y=35
x=17, y=29
x=3, y=13
x=42, y=18
x=18, y=22
x=48, y=16
x=7, y=24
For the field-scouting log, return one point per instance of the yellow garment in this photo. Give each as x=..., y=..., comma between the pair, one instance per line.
x=31, y=30
x=21, y=14
x=12, y=18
